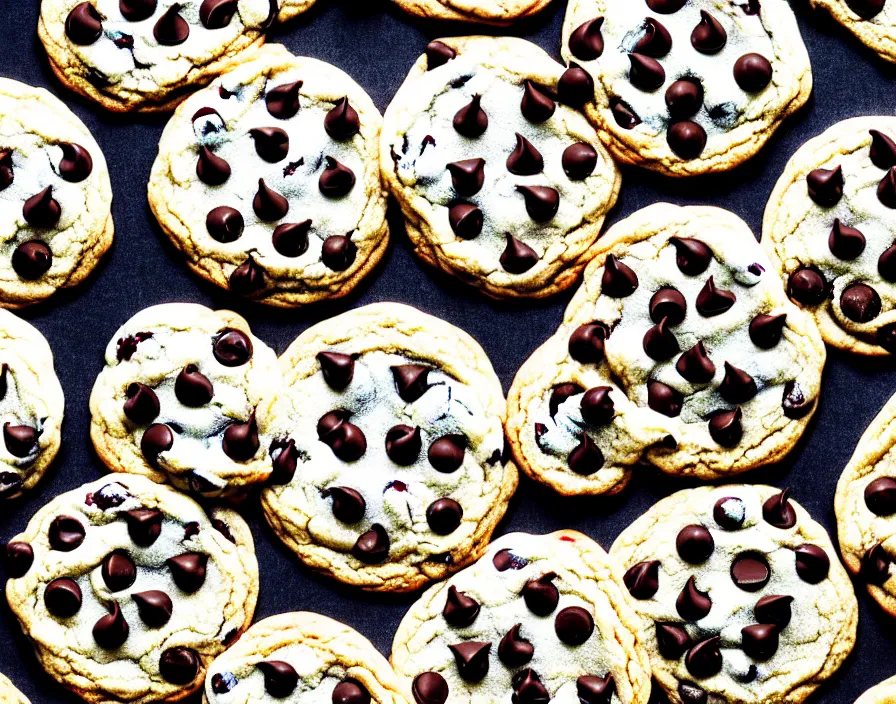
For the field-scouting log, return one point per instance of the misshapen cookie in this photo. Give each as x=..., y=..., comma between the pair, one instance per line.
x=188, y=396
x=828, y=227
x=680, y=349
x=269, y=183
x=394, y=473
x=128, y=589
x=745, y=598
x=883, y=693
x=872, y=21
x=305, y=657
x=537, y=618
x=148, y=54
x=494, y=12
x=55, y=197
x=691, y=87
x=9, y=694
x=502, y=182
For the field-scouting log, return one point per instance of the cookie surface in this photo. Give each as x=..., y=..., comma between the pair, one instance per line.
x=691, y=87
x=537, y=617
x=680, y=349
x=304, y=656
x=501, y=182
x=883, y=693
x=268, y=181
x=128, y=589
x=31, y=406
x=148, y=54
x=55, y=195
x=873, y=22
x=394, y=474
x=9, y=694
x=495, y=12
x=743, y=594
x=828, y=228
x=187, y=396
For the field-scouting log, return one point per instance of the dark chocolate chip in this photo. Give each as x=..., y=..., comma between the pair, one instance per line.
x=709, y=36
x=575, y=87
x=76, y=164
x=807, y=286
x=336, y=180
x=766, y=330
x=210, y=168
x=542, y=202
x=232, y=348
x=403, y=444
x=137, y=10
x=725, y=427
x=240, y=440
x=656, y=41
x=642, y=580
x=845, y=242
x=447, y=453
x=713, y=301
x=667, y=303
x=517, y=257
x=730, y=512
x=291, y=239
x=752, y=72
x=342, y=122
x=624, y=114
x=20, y=440
x=372, y=547
x=471, y=659
x=171, y=29
x=7, y=175
x=283, y=101
x=573, y=625
x=860, y=303
x=541, y=595
x=883, y=150
x=505, y=560
x=645, y=73
x=471, y=120
x=188, y=570
x=778, y=511
x=595, y=690
x=659, y=341
x=271, y=143
x=665, y=7
x=812, y=563
x=692, y=604
x=192, y=387
x=217, y=14
x=41, y=210
x=886, y=337
x=430, y=687
x=579, y=161
x=338, y=252
x=350, y=692
x=411, y=381
x=144, y=525
x=694, y=544
x=773, y=609
x=111, y=631
x=866, y=9
x=119, y=571
x=750, y=571
x=223, y=682
x=880, y=496
x=444, y=516
x=338, y=369
x=524, y=160
x=348, y=505
x=695, y=365
x=528, y=689
x=876, y=565
x=737, y=386
x=345, y=439
x=32, y=259
x=224, y=224
x=467, y=176
x=684, y=98
x=179, y=665
x=84, y=25
x=618, y=280
x=63, y=597
x=686, y=139
x=692, y=256
x=586, y=458
x=268, y=204
x=157, y=438
x=535, y=105
x=66, y=533
x=514, y=650
x=280, y=678
x=825, y=186
x=759, y=641
x=662, y=398
x=692, y=694
x=466, y=220
x=460, y=610
x=438, y=54
x=597, y=406
x=672, y=640
x=886, y=189
x=154, y=607
x=18, y=559
x=142, y=405
x=586, y=42
x=705, y=658
x=586, y=344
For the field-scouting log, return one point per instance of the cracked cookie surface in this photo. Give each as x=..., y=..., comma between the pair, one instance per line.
x=9, y=694
x=873, y=22
x=305, y=657
x=688, y=87
x=502, y=183
x=883, y=693
x=680, y=349
x=538, y=617
x=828, y=228
x=188, y=396
x=128, y=590
x=493, y=12
x=394, y=473
x=148, y=54
x=56, y=221
x=268, y=181
x=743, y=594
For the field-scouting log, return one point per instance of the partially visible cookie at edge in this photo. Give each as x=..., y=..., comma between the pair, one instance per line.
x=873, y=22
x=9, y=694
x=492, y=12
x=883, y=693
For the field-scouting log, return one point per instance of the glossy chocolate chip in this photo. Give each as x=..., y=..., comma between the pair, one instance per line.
x=283, y=101
x=708, y=37
x=694, y=544
x=84, y=25
x=886, y=189
x=223, y=682
x=280, y=678
x=773, y=609
x=825, y=186
x=812, y=563
x=211, y=169
x=624, y=114
x=695, y=366
x=672, y=640
x=586, y=458
x=713, y=301
x=560, y=393
x=665, y=7
x=579, y=161
x=18, y=558
x=217, y=14
x=586, y=41
x=111, y=631
x=430, y=688
x=7, y=175
x=471, y=659
x=444, y=516
x=866, y=9
x=224, y=224
x=350, y=692
x=411, y=381
x=192, y=387
x=347, y=505
x=535, y=105
x=575, y=87
x=291, y=239
x=595, y=690
x=662, y=398
x=403, y=444
x=875, y=567
x=232, y=348
x=446, y=454
x=725, y=427
x=240, y=440
x=514, y=650
x=692, y=604
x=807, y=286
x=372, y=547
x=137, y=10
x=268, y=204
x=118, y=571
x=466, y=220
x=705, y=658
x=750, y=571
x=778, y=511
x=460, y=610
x=467, y=176
x=345, y=439
x=517, y=257
x=659, y=341
x=597, y=406
x=691, y=256
x=338, y=252
x=759, y=641
x=752, y=72
x=188, y=570
x=76, y=164
x=880, y=496
x=179, y=665
x=528, y=689
x=656, y=41
x=586, y=344
x=860, y=303
x=687, y=139
x=337, y=368
x=41, y=210
x=142, y=404
x=684, y=98
x=524, y=160
x=171, y=29
x=342, y=121
x=618, y=280
x=438, y=54
x=542, y=202
x=540, y=595
x=845, y=242
x=66, y=533
x=642, y=580
x=882, y=151
x=32, y=259
x=668, y=303
x=144, y=525
x=20, y=440
x=737, y=386
x=63, y=597
x=471, y=120
x=766, y=330
x=336, y=180
x=154, y=607
x=645, y=73
x=271, y=143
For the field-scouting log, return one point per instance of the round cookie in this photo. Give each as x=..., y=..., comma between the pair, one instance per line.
x=873, y=22
x=692, y=87
x=883, y=693
x=309, y=221
x=538, y=617
x=149, y=54
x=9, y=694
x=304, y=656
x=55, y=196
x=680, y=349
x=188, y=396
x=503, y=183
x=395, y=473
x=828, y=227
x=743, y=594
x=31, y=406
x=128, y=589
x=493, y=12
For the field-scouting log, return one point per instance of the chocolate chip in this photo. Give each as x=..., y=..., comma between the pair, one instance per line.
x=283, y=101
x=692, y=256
x=542, y=202
x=713, y=301
x=179, y=665
x=880, y=496
x=232, y=348
x=645, y=73
x=752, y=72
x=665, y=7
x=505, y=560
x=730, y=512
x=411, y=381
x=624, y=114
x=876, y=565
x=579, y=161
x=66, y=533
x=597, y=406
x=540, y=595
x=765, y=330
x=860, y=303
x=595, y=690
x=403, y=444
x=142, y=405
x=338, y=369
x=695, y=365
x=684, y=98
x=336, y=180
x=342, y=122
x=467, y=176
x=812, y=563
x=84, y=25
x=240, y=440
x=825, y=186
x=691, y=693
x=430, y=687
x=737, y=386
x=118, y=571
x=667, y=303
x=672, y=640
x=7, y=175
x=618, y=280
x=525, y=159
x=444, y=516
x=759, y=641
x=659, y=341
x=76, y=164
x=866, y=9
x=280, y=678
x=20, y=440
x=144, y=525
x=586, y=344
x=886, y=189
x=345, y=439
x=807, y=286
x=217, y=14
x=886, y=337
x=224, y=224
x=845, y=242
x=883, y=150
x=18, y=559
x=778, y=511
x=372, y=547
x=586, y=458
x=535, y=105
x=528, y=689
x=694, y=544
x=438, y=54
x=514, y=650
x=171, y=29
x=156, y=439
x=188, y=570
x=111, y=631
x=247, y=278
x=574, y=625
x=41, y=210
x=192, y=387
x=268, y=204
x=223, y=682
x=471, y=120
x=460, y=610
x=63, y=597
x=137, y=10
x=211, y=169
x=466, y=220
x=271, y=143
x=586, y=42
x=348, y=505
x=32, y=259
x=471, y=659
x=338, y=252
x=154, y=607
x=350, y=692
x=692, y=604
x=750, y=571
x=705, y=658
x=773, y=609
x=446, y=454
x=709, y=36
x=725, y=427
x=517, y=257
x=656, y=41
x=687, y=139
x=642, y=580
x=662, y=398
x=575, y=87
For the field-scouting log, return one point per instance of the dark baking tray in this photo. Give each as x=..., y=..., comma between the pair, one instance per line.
x=376, y=44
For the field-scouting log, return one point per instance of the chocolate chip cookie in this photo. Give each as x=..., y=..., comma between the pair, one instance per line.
x=188, y=396
x=268, y=181
x=744, y=596
x=54, y=195
x=687, y=87
x=31, y=406
x=539, y=617
x=873, y=22
x=883, y=693
x=302, y=656
x=828, y=228
x=503, y=183
x=680, y=349
x=128, y=589
x=394, y=473
x=493, y=12
x=9, y=694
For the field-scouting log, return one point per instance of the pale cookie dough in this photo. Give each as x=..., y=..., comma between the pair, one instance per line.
x=883, y=693
x=493, y=12
x=268, y=181
x=9, y=694
x=150, y=54
x=745, y=599
x=128, y=589
x=538, y=617
x=680, y=349
x=395, y=472
x=55, y=196
x=31, y=406
x=302, y=657
x=188, y=395
x=688, y=87
x=502, y=183
x=873, y=22
x=828, y=228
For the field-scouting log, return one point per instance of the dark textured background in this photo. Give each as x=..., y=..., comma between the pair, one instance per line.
x=376, y=43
